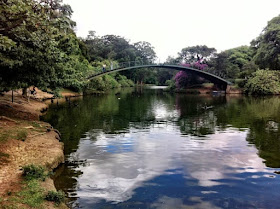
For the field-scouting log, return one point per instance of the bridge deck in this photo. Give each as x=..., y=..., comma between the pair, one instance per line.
x=211, y=77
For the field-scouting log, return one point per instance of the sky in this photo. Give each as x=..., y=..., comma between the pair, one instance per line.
x=172, y=25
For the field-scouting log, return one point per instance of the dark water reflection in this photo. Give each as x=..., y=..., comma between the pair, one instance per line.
x=151, y=149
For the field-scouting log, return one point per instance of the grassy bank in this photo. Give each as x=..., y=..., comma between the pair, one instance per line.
x=26, y=142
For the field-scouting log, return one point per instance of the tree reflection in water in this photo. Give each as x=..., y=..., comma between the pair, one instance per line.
x=126, y=145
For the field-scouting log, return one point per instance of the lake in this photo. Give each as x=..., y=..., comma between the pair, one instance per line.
x=147, y=148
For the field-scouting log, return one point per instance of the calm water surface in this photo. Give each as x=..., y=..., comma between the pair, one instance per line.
x=152, y=149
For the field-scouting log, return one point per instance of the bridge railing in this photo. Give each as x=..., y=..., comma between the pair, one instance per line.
x=130, y=64
x=121, y=65
x=115, y=66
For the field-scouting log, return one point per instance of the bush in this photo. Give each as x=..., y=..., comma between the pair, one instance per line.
x=130, y=82
x=56, y=92
x=111, y=82
x=123, y=81
x=34, y=172
x=240, y=82
x=57, y=197
x=264, y=82
x=171, y=84
x=98, y=84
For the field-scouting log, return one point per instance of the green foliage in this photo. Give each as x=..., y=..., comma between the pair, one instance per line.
x=32, y=194
x=267, y=46
x=35, y=124
x=240, y=82
x=34, y=172
x=76, y=68
x=38, y=46
x=56, y=92
x=21, y=135
x=171, y=84
x=97, y=84
x=264, y=82
x=104, y=83
x=117, y=48
x=145, y=51
x=57, y=197
x=111, y=82
x=108, y=81
x=33, y=59
x=190, y=54
x=233, y=63
x=124, y=82
x=130, y=83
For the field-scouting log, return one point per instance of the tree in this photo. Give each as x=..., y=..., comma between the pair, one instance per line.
x=27, y=28
x=181, y=79
x=145, y=51
x=267, y=46
x=195, y=53
x=109, y=47
x=233, y=63
x=38, y=46
x=264, y=82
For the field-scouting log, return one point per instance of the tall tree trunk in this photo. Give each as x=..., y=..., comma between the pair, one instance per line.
x=24, y=92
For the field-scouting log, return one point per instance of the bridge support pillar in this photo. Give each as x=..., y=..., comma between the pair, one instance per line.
x=228, y=89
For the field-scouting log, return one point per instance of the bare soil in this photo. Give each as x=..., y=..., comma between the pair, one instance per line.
x=25, y=140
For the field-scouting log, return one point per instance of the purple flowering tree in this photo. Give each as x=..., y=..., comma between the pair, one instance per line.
x=199, y=64
x=194, y=57
x=183, y=79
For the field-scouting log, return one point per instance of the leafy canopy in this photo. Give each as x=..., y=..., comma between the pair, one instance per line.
x=267, y=46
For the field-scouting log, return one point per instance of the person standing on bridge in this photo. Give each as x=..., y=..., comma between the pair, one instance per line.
x=104, y=68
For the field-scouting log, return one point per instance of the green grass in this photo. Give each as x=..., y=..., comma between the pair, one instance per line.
x=21, y=135
x=9, y=207
x=56, y=197
x=4, y=157
x=36, y=125
x=31, y=172
x=4, y=136
x=32, y=194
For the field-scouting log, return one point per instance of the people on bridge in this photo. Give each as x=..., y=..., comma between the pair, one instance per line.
x=104, y=68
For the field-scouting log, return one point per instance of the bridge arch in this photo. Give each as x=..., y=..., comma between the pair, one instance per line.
x=220, y=82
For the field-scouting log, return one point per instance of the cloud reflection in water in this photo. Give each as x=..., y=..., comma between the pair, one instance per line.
x=119, y=165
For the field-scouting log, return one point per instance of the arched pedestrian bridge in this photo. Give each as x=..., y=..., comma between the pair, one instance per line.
x=221, y=83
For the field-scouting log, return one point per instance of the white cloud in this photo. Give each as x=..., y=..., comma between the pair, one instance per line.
x=172, y=25
x=114, y=176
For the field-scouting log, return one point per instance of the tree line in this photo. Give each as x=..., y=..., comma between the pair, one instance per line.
x=38, y=46
x=254, y=68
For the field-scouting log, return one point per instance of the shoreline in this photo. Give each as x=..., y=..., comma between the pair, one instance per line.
x=25, y=140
